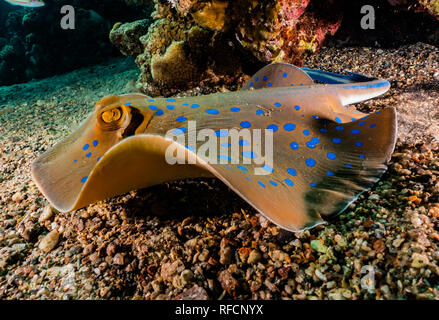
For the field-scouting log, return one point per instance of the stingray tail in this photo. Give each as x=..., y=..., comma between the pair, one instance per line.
x=351, y=88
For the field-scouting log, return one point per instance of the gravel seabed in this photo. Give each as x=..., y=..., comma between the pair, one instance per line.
x=207, y=243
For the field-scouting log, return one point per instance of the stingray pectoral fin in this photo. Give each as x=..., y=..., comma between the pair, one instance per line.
x=357, y=161
x=135, y=162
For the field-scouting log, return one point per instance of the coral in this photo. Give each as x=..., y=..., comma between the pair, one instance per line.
x=233, y=38
x=126, y=36
x=429, y=6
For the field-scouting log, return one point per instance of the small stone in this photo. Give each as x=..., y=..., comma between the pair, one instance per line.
x=194, y=293
x=50, y=241
x=318, y=246
x=419, y=260
x=187, y=275
x=119, y=259
x=17, y=197
x=46, y=214
x=254, y=257
x=228, y=283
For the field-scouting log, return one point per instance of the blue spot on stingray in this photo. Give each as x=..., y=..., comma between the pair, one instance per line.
x=353, y=119
x=194, y=106
x=75, y=160
x=289, y=126
x=227, y=167
x=297, y=108
x=212, y=111
x=358, y=144
x=268, y=168
x=336, y=140
x=256, y=79
x=245, y=124
x=331, y=155
x=170, y=107
x=235, y=109
x=269, y=84
x=85, y=147
x=284, y=75
x=273, y=183
x=362, y=156
x=242, y=168
x=88, y=155
x=95, y=143
x=251, y=84
x=261, y=184
x=151, y=100
x=339, y=128
x=337, y=119
x=301, y=84
x=361, y=123
x=181, y=119
x=316, y=117
x=348, y=165
x=330, y=173
x=249, y=154
x=272, y=127
x=312, y=184
x=159, y=112
x=260, y=112
x=312, y=143
x=373, y=125
x=84, y=179
x=292, y=172
x=310, y=162
x=180, y=130
x=294, y=145
x=243, y=142
x=190, y=148
x=223, y=157
x=222, y=133
x=152, y=107
x=323, y=130
x=170, y=100
x=185, y=104
x=264, y=78
x=128, y=103
x=289, y=182
x=292, y=85
x=306, y=132
x=247, y=178
x=227, y=145
x=277, y=104
x=355, y=131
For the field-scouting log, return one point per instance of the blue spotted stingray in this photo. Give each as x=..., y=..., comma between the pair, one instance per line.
x=325, y=152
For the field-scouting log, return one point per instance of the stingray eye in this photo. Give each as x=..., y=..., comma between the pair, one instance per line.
x=112, y=115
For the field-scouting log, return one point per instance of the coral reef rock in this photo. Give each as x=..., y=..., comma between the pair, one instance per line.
x=217, y=42
x=429, y=6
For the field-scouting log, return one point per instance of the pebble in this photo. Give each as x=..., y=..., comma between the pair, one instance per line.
x=254, y=257
x=49, y=242
x=46, y=214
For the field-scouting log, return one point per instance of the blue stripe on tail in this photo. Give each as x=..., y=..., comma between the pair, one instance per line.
x=334, y=78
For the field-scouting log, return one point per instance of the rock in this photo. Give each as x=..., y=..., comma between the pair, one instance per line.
x=419, y=260
x=228, y=282
x=119, y=259
x=126, y=36
x=46, y=214
x=319, y=246
x=49, y=242
x=254, y=256
x=187, y=275
x=193, y=293
x=169, y=270
x=225, y=252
